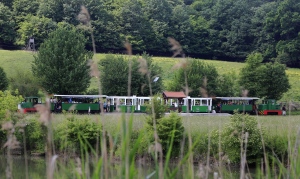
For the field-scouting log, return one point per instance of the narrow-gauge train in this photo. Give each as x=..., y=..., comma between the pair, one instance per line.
x=246, y=105
x=94, y=103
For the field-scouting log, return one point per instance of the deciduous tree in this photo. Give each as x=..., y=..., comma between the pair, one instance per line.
x=114, y=76
x=61, y=63
x=264, y=80
x=198, y=75
x=275, y=81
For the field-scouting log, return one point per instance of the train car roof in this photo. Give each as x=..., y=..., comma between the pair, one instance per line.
x=80, y=96
x=237, y=98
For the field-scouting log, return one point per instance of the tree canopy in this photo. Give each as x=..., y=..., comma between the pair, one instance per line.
x=263, y=80
x=114, y=77
x=61, y=63
x=215, y=29
x=201, y=78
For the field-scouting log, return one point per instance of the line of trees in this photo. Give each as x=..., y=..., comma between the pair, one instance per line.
x=215, y=29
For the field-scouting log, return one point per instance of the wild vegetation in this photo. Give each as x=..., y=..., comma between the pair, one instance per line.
x=96, y=142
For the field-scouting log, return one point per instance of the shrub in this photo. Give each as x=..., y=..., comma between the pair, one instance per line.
x=277, y=146
x=36, y=135
x=8, y=102
x=233, y=137
x=82, y=132
x=170, y=127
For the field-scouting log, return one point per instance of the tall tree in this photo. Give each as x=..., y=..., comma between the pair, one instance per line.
x=114, y=75
x=3, y=80
x=148, y=74
x=7, y=26
x=61, y=63
x=198, y=75
x=251, y=75
x=264, y=80
x=114, y=78
x=275, y=81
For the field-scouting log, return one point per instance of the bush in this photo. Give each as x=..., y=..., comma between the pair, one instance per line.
x=35, y=135
x=168, y=128
x=277, y=146
x=233, y=137
x=82, y=132
x=8, y=102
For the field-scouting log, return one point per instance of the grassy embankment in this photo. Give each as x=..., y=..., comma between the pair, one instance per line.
x=21, y=60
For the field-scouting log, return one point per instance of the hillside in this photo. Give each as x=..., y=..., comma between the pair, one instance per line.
x=21, y=60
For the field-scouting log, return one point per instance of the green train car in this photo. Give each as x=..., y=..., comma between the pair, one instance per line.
x=78, y=103
x=231, y=104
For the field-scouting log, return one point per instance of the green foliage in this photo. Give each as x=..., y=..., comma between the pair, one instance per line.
x=153, y=70
x=8, y=103
x=198, y=74
x=277, y=145
x=7, y=25
x=114, y=75
x=251, y=75
x=3, y=80
x=82, y=132
x=114, y=78
x=242, y=133
x=25, y=83
x=61, y=63
x=275, y=82
x=157, y=106
x=37, y=27
x=228, y=85
x=259, y=79
x=22, y=8
x=170, y=128
x=35, y=134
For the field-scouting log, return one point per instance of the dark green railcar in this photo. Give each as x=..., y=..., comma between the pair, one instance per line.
x=231, y=104
x=79, y=103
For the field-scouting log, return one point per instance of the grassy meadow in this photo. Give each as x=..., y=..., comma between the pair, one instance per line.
x=21, y=60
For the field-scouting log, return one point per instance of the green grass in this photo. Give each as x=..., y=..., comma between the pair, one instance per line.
x=18, y=60
x=198, y=124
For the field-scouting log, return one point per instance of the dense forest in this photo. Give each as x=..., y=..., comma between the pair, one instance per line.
x=210, y=29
